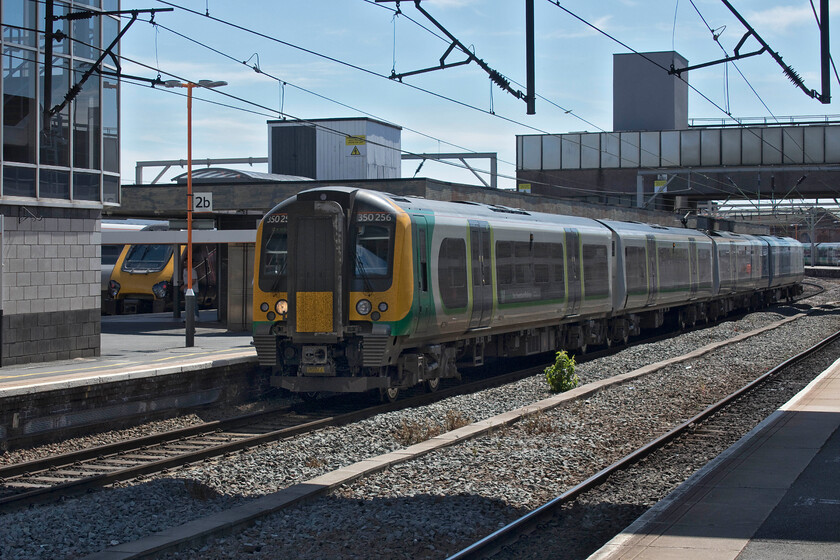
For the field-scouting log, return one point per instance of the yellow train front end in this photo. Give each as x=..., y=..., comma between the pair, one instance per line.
x=332, y=289
x=142, y=277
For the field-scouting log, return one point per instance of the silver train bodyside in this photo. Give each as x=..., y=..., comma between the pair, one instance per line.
x=460, y=282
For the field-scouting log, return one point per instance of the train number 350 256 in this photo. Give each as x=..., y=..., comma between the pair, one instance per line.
x=374, y=217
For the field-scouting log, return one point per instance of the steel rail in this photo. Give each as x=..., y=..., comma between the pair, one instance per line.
x=492, y=543
x=88, y=483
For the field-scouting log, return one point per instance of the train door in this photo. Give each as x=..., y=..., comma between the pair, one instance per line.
x=423, y=297
x=316, y=242
x=573, y=267
x=692, y=267
x=482, y=287
x=653, y=270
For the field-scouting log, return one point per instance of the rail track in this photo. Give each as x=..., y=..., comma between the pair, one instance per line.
x=56, y=477
x=514, y=539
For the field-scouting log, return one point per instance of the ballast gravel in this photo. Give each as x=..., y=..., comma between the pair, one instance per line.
x=435, y=505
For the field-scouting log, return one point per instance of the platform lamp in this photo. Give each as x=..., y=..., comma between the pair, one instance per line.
x=189, y=299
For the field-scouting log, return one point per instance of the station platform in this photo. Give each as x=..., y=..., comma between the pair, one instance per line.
x=144, y=344
x=773, y=495
x=144, y=371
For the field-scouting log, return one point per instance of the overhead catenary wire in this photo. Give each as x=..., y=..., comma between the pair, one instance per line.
x=711, y=180
x=601, y=31
x=232, y=58
x=565, y=183
x=569, y=111
x=534, y=128
x=450, y=163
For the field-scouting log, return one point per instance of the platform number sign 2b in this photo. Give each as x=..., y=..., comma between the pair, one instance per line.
x=203, y=202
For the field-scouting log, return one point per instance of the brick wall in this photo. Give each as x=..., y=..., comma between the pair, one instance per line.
x=51, y=284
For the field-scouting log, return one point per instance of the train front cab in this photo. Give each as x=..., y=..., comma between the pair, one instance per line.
x=330, y=296
x=142, y=279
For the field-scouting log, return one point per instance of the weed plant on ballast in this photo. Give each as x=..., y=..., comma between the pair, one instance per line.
x=561, y=374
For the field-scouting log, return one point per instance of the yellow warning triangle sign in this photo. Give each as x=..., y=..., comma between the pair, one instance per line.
x=355, y=151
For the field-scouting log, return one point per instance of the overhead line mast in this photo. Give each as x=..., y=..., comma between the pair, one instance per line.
x=497, y=78
x=793, y=76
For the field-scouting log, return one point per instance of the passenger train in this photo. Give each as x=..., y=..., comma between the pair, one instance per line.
x=828, y=254
x=142, y=276
x=358, y=290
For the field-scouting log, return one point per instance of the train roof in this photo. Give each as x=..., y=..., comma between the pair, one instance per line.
x=643, y=228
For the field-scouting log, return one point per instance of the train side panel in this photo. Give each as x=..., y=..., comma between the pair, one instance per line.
x=358, y=290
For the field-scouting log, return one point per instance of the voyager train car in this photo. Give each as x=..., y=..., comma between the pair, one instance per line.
x=357, y=290
x=142, y=278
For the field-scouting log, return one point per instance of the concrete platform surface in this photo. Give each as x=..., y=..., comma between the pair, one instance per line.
x=144, y=344
x=775, y=494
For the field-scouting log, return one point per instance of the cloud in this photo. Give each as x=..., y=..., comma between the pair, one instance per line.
x=782, y=19
x=451, y=3
x=579, y=30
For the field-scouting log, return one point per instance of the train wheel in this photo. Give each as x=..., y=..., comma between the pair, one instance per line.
x=389, y=394
x=432, y=385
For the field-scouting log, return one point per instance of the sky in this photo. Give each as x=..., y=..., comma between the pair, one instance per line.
x=332, y=58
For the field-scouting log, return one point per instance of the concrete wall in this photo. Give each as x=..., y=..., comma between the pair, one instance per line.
x=51, y=284
x=645, y=97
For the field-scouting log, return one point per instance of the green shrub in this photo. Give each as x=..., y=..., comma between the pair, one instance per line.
x=561, y=375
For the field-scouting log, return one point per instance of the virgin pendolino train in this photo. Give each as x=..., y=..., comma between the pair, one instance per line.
x=358, y=290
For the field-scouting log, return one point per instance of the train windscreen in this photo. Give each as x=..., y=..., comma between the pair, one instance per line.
x=274, y=257
x=373, y=244
x=147, y=258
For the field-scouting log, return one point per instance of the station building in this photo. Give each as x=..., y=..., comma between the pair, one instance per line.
x=60, y=168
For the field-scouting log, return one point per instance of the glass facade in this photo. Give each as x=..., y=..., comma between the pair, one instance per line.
x=66, y=153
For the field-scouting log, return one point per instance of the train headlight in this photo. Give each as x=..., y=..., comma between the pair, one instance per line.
x=270, y=316
x=363, y=307
x=263, y=307
x=113, y=288
x=383, y=307
x=160, y=289
x=281, y=307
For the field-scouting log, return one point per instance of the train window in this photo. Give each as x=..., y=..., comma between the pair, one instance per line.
x=147, y=258
x=636, y=267
x=373, y=244
x=275, y=253
x=681, y=268
x=452, y=273
x=372, y=240
x=528, y=272
x=504, y=263
x=704, y=263
x=542, y=263
x=522, y=262
x=595, y=271
x=673, y=267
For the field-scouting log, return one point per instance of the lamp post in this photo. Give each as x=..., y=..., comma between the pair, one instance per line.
x=189, y=299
